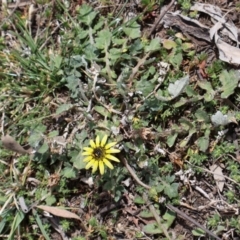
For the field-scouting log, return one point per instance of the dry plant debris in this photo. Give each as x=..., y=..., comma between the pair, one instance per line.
x=159, y=79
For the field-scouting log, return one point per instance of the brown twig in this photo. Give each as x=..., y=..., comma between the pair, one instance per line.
x=156, y=216
x=183, y=215
x=163, y=12
x=169, y=206
x=140, y=63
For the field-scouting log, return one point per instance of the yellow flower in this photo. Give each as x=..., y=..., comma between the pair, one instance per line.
x=100, y=153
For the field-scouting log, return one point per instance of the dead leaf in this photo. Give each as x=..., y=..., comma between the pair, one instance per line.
x=229, y=29
x=62, y=213
x=195, y=29
x=59, y=212
x=180, y=35
x=88, y=181
x=175, y=158
x=212, y=10
x=53, y=180
x=187, y=25
x=202, y=70
x=218, y=176
x=227, y=53
x=10, y=143
x=143, y=133
x=127, y=182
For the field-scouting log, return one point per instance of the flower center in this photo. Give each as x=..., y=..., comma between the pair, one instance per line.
x=98, y=153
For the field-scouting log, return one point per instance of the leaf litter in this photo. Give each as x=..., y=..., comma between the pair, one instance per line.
x=136, y=214
x=196, y=29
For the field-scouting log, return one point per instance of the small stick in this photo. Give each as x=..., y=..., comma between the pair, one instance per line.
x=169, y=206
x=161, y=15
x=183, y=215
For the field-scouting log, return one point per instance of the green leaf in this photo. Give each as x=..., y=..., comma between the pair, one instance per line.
x=136, y=47
x=104, y=39
x=219, y=119
x=198, y=232
x=186, y=46
x=160, y=96
x=2, y=224
x=122, y=42
x=73, y=85
x=15, y=224
x=83, y=34
x=3, y=199
x=53, y=134
x=169, y=44
x=169, y=178
x=63, y=108
x=115, y=54
x=102, y=110
x=152, y=228
x=77, y=61
x=172, y=190
x=181, y=102
x=229, y=82
x=159, y=188
x=202, y=116
x=132, y=30
x=145, y=87
x=175, y=89
x=139, y=200
x=90, y=52
x=185, y=141
x=68, y=172
x=103, y=233
x=93, y=222
x=57, y=60
x=186, y=123
x=190, y=92
x=100, y=23
x=35, y=139
x=171, y=139
x=147, y=214
x=86, y=14
x=203, y=143
x=50, y=200
x=209, y=95
x=39, y=222
x=153, y=46
x=220, y=229
x=169, y=216
x=44, y=148
x=77, y=160
x=176, y=59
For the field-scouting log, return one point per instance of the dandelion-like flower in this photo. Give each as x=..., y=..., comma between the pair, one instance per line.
x=100, y=153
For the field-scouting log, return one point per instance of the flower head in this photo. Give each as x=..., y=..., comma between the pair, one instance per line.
x=100, y=153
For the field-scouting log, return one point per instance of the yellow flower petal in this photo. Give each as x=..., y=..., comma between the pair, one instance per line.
x=90, y=164
x=87, y=159
x=108, y=163
x=109, y=145
x=101, y=167
x=86, y=153
x=97, y=141
x=104, y=140
x=92, y=144
x=111, y=157
x=112, y=150
x=88, y=149
x=95, y=166
x=99, y=153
